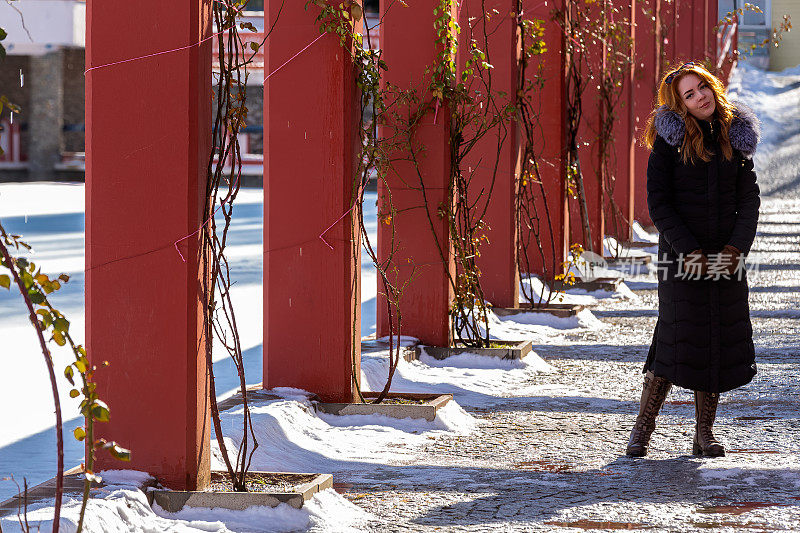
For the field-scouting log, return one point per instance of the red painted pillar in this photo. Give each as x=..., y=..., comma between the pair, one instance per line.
x=589, y=149
x=312, y=329
x=684, y=32
x=712, y=7
x=709, y=14
x=618, y=220
x=667, y=20
x=715, y=41
x=698, y=28
x=551, y=196
x=730, y=58
x=645, y=85
x=492, y=165
x=147, y=147
x=416, y=249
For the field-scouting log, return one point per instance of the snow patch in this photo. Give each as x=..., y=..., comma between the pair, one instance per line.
x=36, y=199
x=583, y=319
x=642, y=235
x=293, y=438
x=614, y=248
x=125, y=510
x=469, y=386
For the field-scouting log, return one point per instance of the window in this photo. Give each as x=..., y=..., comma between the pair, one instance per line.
x=753, y=29
x=255, y=5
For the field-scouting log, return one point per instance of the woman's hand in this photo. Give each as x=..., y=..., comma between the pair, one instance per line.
x=695, y=263
x=729, y=258
x=723, y=263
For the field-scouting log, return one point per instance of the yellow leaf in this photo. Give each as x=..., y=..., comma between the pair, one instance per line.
x=59, y=338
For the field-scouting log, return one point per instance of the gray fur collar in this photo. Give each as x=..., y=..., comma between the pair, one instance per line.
x=744, y=133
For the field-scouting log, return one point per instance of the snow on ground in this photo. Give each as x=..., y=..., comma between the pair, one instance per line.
x=326, y=511
x=293, y=438
x=50, y=218
x=530, y=325
x=473, y=380
x=773, y=97
x=614, y=248
x=123, y=508
x=642, y=235
x=532, y=284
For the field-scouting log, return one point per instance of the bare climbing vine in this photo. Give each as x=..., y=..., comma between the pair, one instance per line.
x=533, y=218
x=222, y=187
x=477, y=110
x=344, y=20
x=614, y=35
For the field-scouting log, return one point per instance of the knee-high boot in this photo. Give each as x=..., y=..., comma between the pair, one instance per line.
x=654, y=392
x=705, y=408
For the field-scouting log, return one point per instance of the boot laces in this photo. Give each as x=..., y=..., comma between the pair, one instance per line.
x=646, y=423
x=709, y=406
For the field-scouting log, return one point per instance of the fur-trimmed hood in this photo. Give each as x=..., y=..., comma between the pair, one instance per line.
x=744, y=133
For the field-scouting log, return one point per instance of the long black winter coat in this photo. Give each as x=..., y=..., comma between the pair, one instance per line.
x=703, y=339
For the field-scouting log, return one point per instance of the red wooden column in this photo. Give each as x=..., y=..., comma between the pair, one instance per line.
x=712, y=8
x=684, y=31
x=408, y=42
x=729, y=59
x=491, y=172
x=709, y=8
x=618, y=223
x=589, y=153
x=643, y=100
x=147, y=146
x=311, y=287
x=701, y=28
x=668, y=28
x=551, y=201
x=716, y=39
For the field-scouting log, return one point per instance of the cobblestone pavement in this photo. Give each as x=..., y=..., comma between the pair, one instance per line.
x=554, y=458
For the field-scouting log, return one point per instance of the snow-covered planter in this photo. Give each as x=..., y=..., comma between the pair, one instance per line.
x=628, y=260
x=499, y=348
x=395, y=405
x=555, y=309
x=407, y=345
x=267, y=489
x=610, y=284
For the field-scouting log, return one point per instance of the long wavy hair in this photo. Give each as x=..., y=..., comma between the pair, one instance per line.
x=693, y=148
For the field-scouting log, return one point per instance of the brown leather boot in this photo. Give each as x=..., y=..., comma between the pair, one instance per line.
x=705, y=408
x=654, y=393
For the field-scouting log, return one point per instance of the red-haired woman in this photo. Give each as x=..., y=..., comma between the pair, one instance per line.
x=703, y=199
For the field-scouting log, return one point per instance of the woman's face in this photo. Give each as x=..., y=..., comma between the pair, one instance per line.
x=697, y=96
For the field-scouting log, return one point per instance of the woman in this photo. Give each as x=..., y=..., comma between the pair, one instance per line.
x=703, y=199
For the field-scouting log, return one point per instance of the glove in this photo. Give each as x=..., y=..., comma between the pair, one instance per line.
x=729, y=257
x=695, y=264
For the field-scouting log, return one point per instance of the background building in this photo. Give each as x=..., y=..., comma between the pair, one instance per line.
x=788, y=53
x=755, y=27
x=44, y=75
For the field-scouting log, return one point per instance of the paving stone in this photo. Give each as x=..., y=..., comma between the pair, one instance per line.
x=540, y=463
